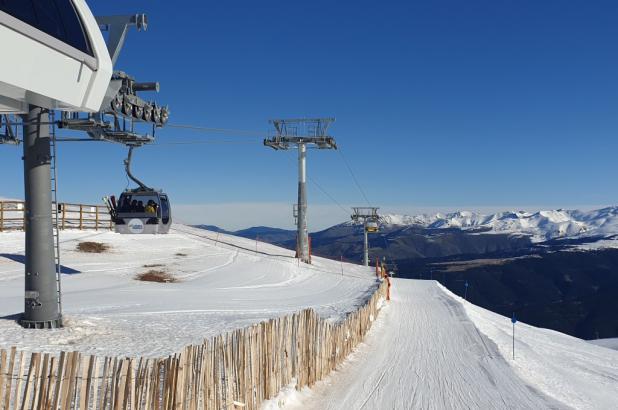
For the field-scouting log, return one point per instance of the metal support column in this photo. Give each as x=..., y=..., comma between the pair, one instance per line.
x=366, y=246
x=41, y=293
x=303, y=234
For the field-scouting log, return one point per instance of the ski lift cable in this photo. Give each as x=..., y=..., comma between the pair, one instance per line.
x=243, y=133
x=314, y=182
x=199, y=142
x=347, y=164
x=190, y=142
x=329, y=196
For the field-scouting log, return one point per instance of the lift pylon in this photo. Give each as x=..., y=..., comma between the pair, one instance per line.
x=41, y=307
x=300, y=133
x=369, y=217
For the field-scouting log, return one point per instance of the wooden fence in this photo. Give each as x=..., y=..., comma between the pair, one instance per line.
x=237, y=370
x=70, y=216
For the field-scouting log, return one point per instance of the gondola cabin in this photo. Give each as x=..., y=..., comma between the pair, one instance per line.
x=53, y=56
x=371, y=226
x=143, y=212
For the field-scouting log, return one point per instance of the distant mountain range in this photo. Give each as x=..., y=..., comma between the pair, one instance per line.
x=539, y=226
x=556, y=269
x=457, y=233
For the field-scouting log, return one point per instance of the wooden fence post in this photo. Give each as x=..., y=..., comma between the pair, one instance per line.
x=81, y=216
x=64, y=214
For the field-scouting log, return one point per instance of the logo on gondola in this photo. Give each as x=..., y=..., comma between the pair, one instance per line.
x=136, y=226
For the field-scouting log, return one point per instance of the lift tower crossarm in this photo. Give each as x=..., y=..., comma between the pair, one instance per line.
x=117, y=27
x=300, y=133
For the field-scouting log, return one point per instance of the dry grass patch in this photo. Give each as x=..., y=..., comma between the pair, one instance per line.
x=92, y=247
x=156, y=276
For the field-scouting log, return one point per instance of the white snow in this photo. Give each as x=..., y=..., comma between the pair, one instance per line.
x=423, y=352
x=221, y=287
x=431, y=350
x=428, y=349
x=570, y=370
x=540, y=226
x=611, y=343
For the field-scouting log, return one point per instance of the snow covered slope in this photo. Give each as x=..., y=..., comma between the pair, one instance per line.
x=608, y=343
x=541, y=226
x=222, y=285
x=425, y=351
x=570, y=370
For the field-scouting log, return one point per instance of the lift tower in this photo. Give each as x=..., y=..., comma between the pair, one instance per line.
x=42, y=306
x=301, y=133
x=369, y=217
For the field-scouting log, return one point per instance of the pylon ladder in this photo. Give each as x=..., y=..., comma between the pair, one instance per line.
x=54, y=190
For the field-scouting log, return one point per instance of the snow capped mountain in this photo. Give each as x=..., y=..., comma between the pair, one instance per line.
x=540, y=226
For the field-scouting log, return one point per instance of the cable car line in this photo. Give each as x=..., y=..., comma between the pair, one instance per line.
x=248, y=133
x=196, y=142
x=203, y=142
x=345, y=161
x=313, y=181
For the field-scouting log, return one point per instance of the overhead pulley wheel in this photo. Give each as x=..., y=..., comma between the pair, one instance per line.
x=116, y=104
x=127, y=107
x=165, y=115
x=147, y=112
x=138, y=111
x=156, y=114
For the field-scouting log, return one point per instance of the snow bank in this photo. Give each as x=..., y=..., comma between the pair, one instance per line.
x=570, y=370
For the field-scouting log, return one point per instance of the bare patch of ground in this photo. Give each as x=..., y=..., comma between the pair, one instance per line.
x=92, y=247
x=156, y=276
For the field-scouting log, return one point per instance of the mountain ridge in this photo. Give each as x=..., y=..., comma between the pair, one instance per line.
x=540, y=226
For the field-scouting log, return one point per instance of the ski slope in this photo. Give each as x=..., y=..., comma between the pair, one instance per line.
x=225, y=282
x=426, y=351
x=571, y=370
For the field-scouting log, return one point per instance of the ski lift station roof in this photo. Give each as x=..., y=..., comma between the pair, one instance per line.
x=58, y=57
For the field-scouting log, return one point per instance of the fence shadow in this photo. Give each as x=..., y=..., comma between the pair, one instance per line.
x=22, y=259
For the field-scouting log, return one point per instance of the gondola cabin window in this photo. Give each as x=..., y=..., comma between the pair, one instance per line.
x=148, y=204
x=58, y=18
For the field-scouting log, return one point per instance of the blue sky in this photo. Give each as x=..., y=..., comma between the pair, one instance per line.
x=439, y=105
